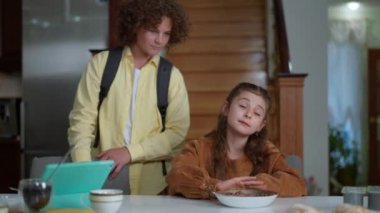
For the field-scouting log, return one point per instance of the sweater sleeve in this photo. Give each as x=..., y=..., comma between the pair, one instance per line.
x=188, y=177
x=280, y=178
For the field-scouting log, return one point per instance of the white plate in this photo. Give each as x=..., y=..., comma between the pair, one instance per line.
x=248, y=198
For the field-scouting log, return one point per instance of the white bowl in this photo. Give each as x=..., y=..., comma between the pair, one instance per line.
x=248, y=198
x=106, y=200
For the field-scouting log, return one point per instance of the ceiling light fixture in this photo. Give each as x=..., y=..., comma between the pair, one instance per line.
x=353, y=5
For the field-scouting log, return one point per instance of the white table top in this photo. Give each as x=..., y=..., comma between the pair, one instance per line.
x=165, y=204
x=141, y=204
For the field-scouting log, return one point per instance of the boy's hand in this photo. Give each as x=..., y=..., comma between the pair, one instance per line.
x=121, y=156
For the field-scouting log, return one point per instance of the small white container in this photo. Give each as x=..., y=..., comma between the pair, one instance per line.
x=106, y=200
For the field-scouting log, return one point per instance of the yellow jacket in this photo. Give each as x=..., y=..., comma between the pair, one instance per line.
x=148, y=144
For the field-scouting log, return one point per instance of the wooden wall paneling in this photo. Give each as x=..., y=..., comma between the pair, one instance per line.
x=220, y=62
x=244, y=29
x=219, y=45
x=226, y=45
x=291, y=114
x=221, y=4
x=221, y=81
x=240, y=14
x=201, y=125
x=206, y=103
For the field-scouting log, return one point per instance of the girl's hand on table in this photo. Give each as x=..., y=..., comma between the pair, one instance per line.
x=246, y=182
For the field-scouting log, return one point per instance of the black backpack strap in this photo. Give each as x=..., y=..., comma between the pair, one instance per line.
x=163, y=78
x=109, y=74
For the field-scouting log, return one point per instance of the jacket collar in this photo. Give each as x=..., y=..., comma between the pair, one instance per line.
x=128, y=53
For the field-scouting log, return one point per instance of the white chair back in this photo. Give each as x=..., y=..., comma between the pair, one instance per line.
x=295, y=162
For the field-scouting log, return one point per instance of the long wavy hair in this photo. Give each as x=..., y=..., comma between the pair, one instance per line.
x=147, y=14
x=254, y=148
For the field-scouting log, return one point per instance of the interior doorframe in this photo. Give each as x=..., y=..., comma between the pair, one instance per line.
x=373, y=119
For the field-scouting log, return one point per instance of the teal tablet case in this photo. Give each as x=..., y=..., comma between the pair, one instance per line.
x=73, y=181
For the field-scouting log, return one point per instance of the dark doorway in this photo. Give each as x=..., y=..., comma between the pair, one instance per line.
x=374, y=116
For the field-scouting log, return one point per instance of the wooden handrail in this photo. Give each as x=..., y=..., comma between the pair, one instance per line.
x=282, y=39
x=289, y=89
x=113, y=8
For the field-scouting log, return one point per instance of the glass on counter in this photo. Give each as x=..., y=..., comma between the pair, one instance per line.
x=354, y=195
x=374, y=198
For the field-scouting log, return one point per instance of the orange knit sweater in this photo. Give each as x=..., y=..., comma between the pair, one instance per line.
x=190, y=175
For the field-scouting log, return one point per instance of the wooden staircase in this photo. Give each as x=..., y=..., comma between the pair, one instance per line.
x=227, y=45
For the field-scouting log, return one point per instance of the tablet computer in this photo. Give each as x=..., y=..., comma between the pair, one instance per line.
x=74, y=179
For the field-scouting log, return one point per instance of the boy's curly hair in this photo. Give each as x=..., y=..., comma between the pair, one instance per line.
x=137, y=14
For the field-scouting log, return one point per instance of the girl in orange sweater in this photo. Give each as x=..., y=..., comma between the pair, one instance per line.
x=237, y=154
